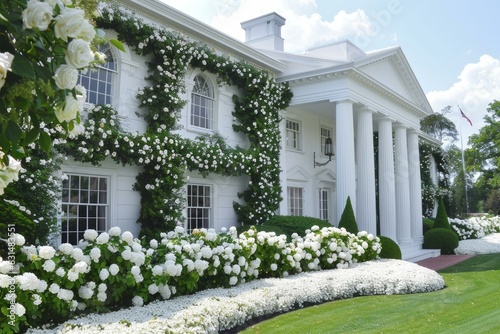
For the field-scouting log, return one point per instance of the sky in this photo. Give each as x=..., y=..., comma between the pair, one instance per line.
x=451, y=45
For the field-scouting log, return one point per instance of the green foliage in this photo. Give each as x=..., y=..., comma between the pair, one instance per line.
x=390, y=249
x=428, y=223
x=430, y=191
x=348, y=220
x=441, y=238
x=30, y=97
x=441, y=220
x=440, y=127
x=484, y=155
x=29, y=202
x=493, y=202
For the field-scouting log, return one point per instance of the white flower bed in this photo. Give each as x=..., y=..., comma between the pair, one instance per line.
x=211, y=311
x=486, y=245
x=475, y=227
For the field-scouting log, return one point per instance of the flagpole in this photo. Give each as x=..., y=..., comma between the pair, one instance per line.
x=463, y=164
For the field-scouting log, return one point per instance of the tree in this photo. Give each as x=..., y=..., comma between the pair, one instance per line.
x=441, y=220
x=459, y=195
x=348, y=220
x=493, y=202
x=484, y=154
x=439, y=126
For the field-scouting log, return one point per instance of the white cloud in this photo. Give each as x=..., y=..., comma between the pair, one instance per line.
x=478, y=85
x=304, y=27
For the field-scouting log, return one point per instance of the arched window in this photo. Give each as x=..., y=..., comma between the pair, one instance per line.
x=202, y=104
x=99, y=82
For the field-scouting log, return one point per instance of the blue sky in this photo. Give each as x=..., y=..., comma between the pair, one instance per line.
x=451, y=45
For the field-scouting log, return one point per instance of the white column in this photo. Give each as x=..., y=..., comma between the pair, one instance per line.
x=386, y=187
x=403, y=216
x=366, y=214
x=346, y=167
x=284, y=193
x=415, y=187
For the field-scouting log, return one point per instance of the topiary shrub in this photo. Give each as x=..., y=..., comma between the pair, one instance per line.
x=441, y=238
x=441, y=220
x=390, y=249
x=428, y=223
x=348, y=220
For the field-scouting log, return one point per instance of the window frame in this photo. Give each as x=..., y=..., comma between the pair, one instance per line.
x=324, y=204
x=204, y=99
x=209, y=216
x=295, y=198
x=65, y=218
x=296, y=142
x=110, y=84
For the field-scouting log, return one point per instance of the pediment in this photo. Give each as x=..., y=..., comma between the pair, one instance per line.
x=391, y=69
x=298, y=174
x=326, y=176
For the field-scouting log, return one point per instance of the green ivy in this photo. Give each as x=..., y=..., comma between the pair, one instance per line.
x=164, y=156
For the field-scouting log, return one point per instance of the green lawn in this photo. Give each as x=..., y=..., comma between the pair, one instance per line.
x=470, y=303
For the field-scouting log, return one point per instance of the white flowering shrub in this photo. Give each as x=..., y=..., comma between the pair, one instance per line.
x=475, y=227
x=112, y=269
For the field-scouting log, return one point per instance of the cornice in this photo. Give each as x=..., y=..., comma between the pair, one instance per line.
x=170, y=18
x=349, y=72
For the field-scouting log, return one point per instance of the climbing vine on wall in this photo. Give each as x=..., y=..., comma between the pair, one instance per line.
x=164, y=156
x=430, y=191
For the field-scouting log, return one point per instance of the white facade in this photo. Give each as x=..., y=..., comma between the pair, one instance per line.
x=339, y=91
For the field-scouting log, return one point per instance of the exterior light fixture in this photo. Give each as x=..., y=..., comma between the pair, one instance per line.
x=328, y=152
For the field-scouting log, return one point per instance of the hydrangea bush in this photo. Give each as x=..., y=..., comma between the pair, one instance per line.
x=112, y=269
x=475, y=227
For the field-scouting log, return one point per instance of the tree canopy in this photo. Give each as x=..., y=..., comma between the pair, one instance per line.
x=439, y=126
x=484, y=154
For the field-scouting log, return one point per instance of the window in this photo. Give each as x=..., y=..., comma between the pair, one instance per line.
x=202, y=104
x=295, y=205
x=293, y=135
x=99, y=81
x=324, y=133
x=85, y=205
x=323, y=204
x=199, y=206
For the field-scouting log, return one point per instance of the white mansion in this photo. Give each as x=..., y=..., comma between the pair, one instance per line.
x=351, y=130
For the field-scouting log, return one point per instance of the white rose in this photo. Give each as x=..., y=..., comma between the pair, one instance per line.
x=66, y=77
x=87, y=33
x=37, y=15
x=69, y=23
x=5, y=66
x=78, y=53
x=68, y=110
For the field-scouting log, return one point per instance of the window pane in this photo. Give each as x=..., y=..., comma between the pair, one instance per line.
x=89, y=195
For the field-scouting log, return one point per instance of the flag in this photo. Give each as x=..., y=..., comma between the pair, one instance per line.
x=463, y=115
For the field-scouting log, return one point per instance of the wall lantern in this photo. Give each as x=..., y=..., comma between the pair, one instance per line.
x=328, y=152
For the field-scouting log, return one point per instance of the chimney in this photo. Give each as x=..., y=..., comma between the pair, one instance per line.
x=264, y=32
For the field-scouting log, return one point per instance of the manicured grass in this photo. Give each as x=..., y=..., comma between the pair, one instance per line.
x=470, y=303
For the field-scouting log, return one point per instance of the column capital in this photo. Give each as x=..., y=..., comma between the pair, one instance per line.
x=366, y=109
x=343, y=100
x=398, y=125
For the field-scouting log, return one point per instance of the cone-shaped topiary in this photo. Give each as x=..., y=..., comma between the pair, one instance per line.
x=348, y=220
x=441, y=238
x=441, y=220
x=390, y=249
